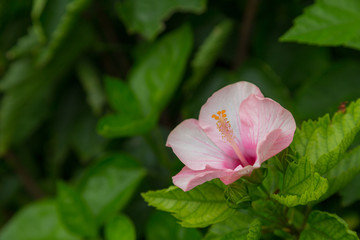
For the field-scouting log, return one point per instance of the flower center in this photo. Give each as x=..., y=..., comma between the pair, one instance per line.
x=224, y=127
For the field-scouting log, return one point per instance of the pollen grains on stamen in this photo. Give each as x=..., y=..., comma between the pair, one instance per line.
x=224, y=126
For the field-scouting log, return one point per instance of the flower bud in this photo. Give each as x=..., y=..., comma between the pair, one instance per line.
x=237, y=195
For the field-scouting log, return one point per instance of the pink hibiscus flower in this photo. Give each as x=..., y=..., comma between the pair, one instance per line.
x=238, y=129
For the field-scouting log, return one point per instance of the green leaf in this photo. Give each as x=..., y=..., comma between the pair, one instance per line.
x=343, y=173
x=72, y=127
x=38, y=8
x=61, y=127
x=146, y=17
x=74, y=212
x=84, y=139
x=275, y=174
x=325, y=141
x=326, y=226
x=19, y=111
x=90, y=81
x=121, y=98
x=327, y=23
x=207, y=54
x=349, y=196
x=354, y=43
x=36, y=12
x=254, y=230
x=15, y=73
x=25, y=45
x=269, y=211
x=301, y=185
x=36, y=221
x=240, y=226
x=120, y=228
x=323, y=94
x=156, y=76
x=162, y=225
x=199, y=207
x=119, y=125
x=33, y=89
x=108, y=185
x=152, y=81
x=46, y=16
x=12, y=25
x=64, y=17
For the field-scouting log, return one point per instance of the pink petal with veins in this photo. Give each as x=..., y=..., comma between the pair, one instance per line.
x=187, y=179
x=266, y=128
x=193, y=147
x=228, y=98
x=252, y=127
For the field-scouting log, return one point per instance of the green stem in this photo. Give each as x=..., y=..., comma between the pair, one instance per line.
x=292, y=214
x=307, y=213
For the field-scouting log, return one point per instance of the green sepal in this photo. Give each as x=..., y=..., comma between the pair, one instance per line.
x=237, y=195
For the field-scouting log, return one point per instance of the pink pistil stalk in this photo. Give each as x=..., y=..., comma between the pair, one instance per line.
x=226, y=131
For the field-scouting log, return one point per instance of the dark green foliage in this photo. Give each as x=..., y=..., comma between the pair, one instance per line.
x=120, y=228
x=89, y=91
x=41, y=216
x=162, y=225
x=74, y=212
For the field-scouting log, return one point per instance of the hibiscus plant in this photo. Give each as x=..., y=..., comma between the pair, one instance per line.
x=179, y=119
x=243, y=138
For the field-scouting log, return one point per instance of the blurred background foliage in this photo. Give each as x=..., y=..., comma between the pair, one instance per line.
x=89, y=91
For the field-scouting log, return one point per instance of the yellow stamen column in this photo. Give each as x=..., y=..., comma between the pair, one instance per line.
x=224, y=127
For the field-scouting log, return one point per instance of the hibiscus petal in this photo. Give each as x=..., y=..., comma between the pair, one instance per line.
x=192, y=146
x=229, y=99
x=266, y=128
x=237, y=173
x=187, y=179
x=273, y=144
